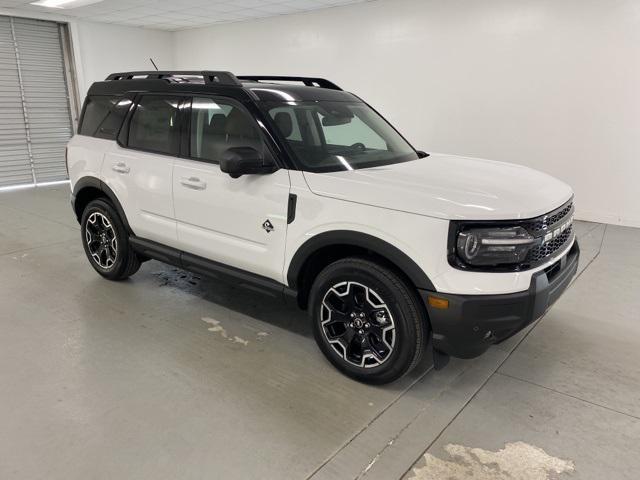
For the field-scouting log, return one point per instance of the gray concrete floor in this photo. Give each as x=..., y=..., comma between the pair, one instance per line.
x=168, y=375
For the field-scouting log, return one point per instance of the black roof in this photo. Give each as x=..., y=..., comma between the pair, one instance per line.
x=250, y=87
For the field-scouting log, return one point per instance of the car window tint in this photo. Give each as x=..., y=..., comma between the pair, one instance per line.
x=217, y=125
x=154, y=125
x=103, y=116
x=328, y=136
x=287, y=123
x=353, y=132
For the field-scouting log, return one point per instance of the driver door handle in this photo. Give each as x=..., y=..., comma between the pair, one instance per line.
x=193, y=182
x=120, y=167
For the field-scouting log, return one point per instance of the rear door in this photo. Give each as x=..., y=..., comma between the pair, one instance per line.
x=241, y=222
x=140, y=172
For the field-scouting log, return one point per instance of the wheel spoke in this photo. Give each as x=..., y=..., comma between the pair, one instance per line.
x=353, y=351
x=335, y=302
x=377, y=347
x=349, y=335
x=93, y=228
x=376, y=331
x=357, y=297
x=336, y=318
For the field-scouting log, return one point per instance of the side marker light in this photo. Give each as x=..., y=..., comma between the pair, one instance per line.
x=437, y=302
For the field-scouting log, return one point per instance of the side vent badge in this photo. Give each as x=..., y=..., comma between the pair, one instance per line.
x=268, y=226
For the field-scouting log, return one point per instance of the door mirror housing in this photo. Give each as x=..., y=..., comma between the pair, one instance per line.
x=238, y=161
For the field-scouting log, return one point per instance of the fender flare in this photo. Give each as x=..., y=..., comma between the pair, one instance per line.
x=362, y=240
x=93, y=182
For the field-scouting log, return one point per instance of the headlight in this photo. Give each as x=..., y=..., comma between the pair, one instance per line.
x=494, y=246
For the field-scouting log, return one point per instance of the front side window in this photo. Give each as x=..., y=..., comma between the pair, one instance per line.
x=103, y=116
x=154, y=125
x=217, y=125
x=333, y=136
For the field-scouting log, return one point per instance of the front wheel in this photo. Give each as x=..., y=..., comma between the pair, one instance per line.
x=367, y=321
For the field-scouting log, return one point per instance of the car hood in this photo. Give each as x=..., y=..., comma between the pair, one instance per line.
x=449, y=187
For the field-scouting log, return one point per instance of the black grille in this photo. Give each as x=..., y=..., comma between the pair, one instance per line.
x=538, y=254
x=545, y=224
x=540, y=224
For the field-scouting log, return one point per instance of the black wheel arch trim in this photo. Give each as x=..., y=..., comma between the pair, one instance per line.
x=357, y=239
x=93, y=182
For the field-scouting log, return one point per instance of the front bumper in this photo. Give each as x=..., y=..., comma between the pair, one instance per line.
x=472, y=323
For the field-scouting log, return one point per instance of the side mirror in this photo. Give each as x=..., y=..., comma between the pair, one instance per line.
x=422, y=154
x=238, y=161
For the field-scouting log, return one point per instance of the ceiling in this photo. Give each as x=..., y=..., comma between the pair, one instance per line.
x=178, y=14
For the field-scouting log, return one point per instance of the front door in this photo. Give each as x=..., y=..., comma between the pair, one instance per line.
x=241, y=222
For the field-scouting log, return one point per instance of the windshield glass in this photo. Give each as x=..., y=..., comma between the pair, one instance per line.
x=333, y=136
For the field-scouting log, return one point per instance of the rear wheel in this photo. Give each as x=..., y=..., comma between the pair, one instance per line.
x=367, y=321
x=106, y=241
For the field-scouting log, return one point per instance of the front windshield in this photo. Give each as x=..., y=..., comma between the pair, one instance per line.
x=334, y=136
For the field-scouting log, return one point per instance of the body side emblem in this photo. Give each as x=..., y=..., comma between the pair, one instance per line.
x=267, y=225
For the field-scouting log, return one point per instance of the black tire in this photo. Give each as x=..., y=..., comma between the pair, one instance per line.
x=107, y=234
x=334, y=302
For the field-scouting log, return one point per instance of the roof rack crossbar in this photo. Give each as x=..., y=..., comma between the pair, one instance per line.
x=308, y=81
x=209, y=76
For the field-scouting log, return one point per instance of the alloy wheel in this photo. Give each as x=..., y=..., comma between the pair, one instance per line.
x=358, y=324
x=101, y=240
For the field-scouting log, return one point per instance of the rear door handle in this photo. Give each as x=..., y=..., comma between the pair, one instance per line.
x=193, y=182
x=120, y=167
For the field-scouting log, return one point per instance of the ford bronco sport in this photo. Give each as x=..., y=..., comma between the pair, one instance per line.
x=296, y=187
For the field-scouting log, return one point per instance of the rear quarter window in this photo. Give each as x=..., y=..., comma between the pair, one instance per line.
x=103, y=116
x=154, y=125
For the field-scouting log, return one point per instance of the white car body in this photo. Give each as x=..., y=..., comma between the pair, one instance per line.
x=408, y=205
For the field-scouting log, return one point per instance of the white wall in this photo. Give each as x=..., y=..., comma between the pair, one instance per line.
x=553, y=84
x=102, y=48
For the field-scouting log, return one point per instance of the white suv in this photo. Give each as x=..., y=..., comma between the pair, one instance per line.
x=305, y=191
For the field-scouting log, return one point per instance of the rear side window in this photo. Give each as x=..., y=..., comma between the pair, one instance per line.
x=154, y=125
x=103, y=116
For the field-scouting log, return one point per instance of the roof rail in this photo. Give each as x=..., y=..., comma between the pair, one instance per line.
x=220, y=78
x=308, y=81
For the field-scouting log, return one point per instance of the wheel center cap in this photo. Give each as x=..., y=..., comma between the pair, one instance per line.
x=357, y=323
